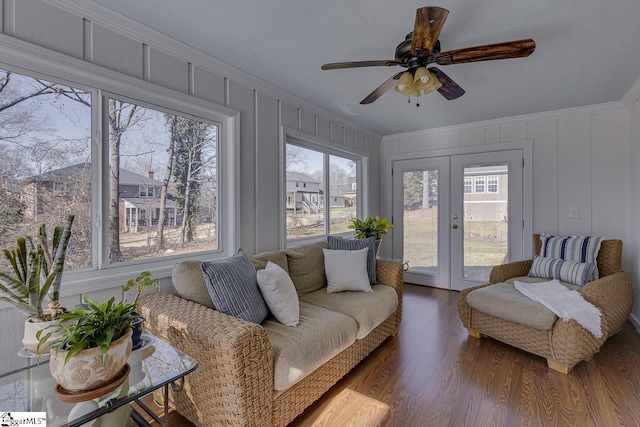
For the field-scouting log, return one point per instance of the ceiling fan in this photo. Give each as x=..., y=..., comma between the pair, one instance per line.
x=422, y=48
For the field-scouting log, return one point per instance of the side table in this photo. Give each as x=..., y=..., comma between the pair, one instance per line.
x=155, y=365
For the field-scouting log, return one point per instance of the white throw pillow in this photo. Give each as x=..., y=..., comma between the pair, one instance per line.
x=346, y=270
x=280, y=294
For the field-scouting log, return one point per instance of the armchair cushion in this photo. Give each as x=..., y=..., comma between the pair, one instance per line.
x=505, y=302
x=578, y=273
x=575, y=248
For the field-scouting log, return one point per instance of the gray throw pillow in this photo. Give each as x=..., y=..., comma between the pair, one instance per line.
x=233, y=285
x=339, y=243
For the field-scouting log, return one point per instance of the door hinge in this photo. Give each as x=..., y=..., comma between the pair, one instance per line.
x=522, y=162
x=523, y=223
x=391, y=171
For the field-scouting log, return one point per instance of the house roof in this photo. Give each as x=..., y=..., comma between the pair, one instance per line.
x=84, y=170
x=300, y=177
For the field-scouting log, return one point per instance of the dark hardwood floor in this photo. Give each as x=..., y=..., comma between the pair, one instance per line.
x=432, y=374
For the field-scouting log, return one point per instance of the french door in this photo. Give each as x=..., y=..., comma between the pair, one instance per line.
x=457, y=216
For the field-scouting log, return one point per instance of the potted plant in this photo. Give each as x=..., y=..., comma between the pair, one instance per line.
x=141, y=282
x=375, y=227
x=94, y=346
x=36, y=279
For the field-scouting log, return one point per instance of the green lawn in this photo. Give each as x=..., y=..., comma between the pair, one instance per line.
x=485, y=242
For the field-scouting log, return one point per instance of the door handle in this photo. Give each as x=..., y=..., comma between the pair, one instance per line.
x=454, y=226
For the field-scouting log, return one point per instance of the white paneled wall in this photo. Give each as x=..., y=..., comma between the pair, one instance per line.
x=583, y=158
x=87, y=31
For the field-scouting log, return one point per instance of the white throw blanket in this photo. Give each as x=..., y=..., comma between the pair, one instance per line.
x=565, y=303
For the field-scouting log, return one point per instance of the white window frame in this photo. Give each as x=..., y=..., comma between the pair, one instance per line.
x=312, y=142
x=21, y=57
x=476, y=180
x=495, y=179
x=470, y=181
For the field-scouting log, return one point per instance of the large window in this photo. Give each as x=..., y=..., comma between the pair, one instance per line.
x=45, y=153
x=152, y=181
x=162, y=182
x=321, y=192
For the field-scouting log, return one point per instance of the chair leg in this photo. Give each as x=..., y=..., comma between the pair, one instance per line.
x=474, y=333
x=558, y=367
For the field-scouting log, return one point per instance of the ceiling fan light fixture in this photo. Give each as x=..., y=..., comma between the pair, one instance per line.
x=405, y=84
x=425, y=81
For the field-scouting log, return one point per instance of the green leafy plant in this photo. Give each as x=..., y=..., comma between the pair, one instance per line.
x=37, y=273
x=141, y=282
x=92, y=324
x=370, y=226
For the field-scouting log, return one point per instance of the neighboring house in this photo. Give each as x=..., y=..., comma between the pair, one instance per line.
x=486, y=195
x=139, y=195
x=303, y=193
x=343, y=194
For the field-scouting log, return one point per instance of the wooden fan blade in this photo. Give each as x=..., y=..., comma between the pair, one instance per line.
x=489, y=52
x=356, y=64
x=426, y=30
x=450, y=89
x=380, y=90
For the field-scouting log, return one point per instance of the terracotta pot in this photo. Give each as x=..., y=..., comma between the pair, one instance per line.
x=29, y=340
x=84, y=371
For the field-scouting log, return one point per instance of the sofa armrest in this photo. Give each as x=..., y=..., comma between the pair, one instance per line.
x=613, y=294
x=503, y=272
x=392, y=273
x=234, y=379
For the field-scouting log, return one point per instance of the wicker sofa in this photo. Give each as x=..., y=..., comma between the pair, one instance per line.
x=234, y=383
x=564, y=344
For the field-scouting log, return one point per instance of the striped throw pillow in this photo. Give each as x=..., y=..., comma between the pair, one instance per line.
x=233, y=286
x=578, y=273
x=574, y=248
x=339, y=243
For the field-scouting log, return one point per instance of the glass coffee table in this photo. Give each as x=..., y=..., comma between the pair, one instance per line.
x=157, y=364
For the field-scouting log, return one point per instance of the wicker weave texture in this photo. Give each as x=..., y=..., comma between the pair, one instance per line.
x=567, y=343
x=234, y=380
x=233, y=384
x=391, y=273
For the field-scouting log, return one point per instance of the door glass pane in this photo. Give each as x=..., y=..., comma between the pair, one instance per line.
x=486, y=218
x=342, y=193
x=420, y=220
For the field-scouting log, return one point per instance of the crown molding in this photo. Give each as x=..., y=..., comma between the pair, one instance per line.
x=128, y=27
x=553, y=114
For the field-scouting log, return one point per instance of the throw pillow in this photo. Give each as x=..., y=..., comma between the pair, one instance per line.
x=339, y=243
x=233, y=286
x=279, y=294
x=578, y=273
x=346, y=270
x=575, y=248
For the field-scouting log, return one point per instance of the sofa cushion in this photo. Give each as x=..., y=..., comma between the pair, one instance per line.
x=505, y=302
x=346, y=270
x=320, y=335
x=368, y=309
x=260, y=260
x=233, y=286
x=189, y=283
x=306, y=267
x=578, y=273
x=337, y=242
x=279, y=294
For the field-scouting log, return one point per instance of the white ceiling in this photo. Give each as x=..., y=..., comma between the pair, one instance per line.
x=588, y=52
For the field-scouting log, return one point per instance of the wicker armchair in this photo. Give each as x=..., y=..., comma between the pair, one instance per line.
x=566, y=343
